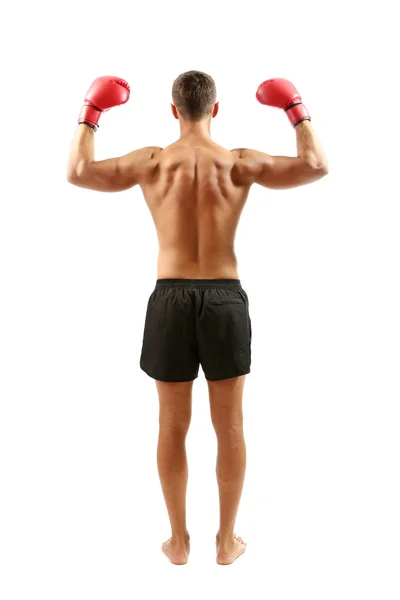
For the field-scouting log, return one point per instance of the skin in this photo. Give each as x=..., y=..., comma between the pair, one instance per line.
x=196, y=190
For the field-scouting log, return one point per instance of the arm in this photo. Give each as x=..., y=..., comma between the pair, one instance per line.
x=112, y=175
x=283, y=172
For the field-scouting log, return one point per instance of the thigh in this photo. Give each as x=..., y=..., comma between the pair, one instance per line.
x=226, y=402
x=175, y=404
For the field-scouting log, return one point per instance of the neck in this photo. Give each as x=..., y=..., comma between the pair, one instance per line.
x=195, y=128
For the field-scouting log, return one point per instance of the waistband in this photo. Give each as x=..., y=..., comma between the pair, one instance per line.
x=198, y=283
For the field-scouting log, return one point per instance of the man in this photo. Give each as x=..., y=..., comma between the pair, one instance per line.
x=198, y=312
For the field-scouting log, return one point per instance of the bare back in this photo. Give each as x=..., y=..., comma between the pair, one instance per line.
x=196, y=207
x=196, y=191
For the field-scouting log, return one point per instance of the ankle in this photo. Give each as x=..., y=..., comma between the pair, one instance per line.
x=180, y=538
x=225, y=540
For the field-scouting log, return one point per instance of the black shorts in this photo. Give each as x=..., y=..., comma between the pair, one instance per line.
x=192, y=322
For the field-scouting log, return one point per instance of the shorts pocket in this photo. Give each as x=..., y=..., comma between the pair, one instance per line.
x=223, y=302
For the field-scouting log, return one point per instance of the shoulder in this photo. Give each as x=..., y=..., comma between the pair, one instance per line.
x=244, y=158
x=149, y=152
x=155, y=149
x=247, y=154
x=248, y=163
x=141, y=157
x=237, y=152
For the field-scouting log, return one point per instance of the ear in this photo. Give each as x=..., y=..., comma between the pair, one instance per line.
x=215, y=109
x=174, y=111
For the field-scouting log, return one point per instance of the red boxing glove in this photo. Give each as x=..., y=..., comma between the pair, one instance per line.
x=282, y=94
x=103, y=94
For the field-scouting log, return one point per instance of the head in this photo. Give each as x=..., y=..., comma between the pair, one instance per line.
x=194, y=97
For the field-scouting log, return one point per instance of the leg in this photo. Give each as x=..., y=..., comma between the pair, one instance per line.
x=175, y=413
x=227, y=418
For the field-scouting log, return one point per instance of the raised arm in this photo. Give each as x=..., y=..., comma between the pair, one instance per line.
x=115, y=174
x=282, y=172
x=111, y=175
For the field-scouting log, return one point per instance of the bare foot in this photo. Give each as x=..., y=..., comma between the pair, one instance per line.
x=228, y=554
x=178, y=553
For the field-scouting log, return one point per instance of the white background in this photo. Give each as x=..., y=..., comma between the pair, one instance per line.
x=82, y=514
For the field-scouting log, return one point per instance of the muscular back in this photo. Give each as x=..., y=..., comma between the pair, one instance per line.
x=196, y=190
x=195, y=202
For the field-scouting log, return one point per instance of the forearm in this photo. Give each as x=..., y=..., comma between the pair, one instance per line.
x=82, y=152
x=309, y=147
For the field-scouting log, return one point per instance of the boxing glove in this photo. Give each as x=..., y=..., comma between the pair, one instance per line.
x=282, y=94
x=103, y=94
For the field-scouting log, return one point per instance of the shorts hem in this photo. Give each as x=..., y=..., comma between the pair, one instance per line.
x=165, y=379
x=230, y=376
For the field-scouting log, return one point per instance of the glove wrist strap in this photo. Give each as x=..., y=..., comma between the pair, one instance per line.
x=90, y=115
x=297, y=113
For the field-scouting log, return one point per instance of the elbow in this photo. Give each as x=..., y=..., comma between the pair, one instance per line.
x=322, y=170
x=72, y=174
x=71, y=177
x=77, y=173
x=318, y=167
x=75, y=177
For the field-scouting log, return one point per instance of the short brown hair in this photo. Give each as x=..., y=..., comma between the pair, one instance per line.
x=194, y=95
